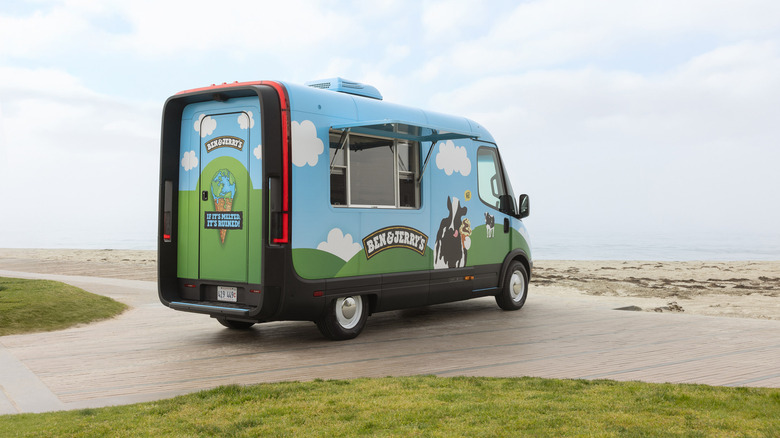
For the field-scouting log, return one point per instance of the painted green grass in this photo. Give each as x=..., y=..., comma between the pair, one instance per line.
x=429, y=406
x=390, y=260
x=28, y=306
x=314, y=263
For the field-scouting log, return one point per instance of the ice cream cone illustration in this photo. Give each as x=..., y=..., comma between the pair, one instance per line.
x=465, y=234
x=223, y=190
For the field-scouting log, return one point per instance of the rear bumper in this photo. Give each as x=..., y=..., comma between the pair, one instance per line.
x=209, y=308
x=200, y=296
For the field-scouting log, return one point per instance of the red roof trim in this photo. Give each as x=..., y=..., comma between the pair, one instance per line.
x=225, y=85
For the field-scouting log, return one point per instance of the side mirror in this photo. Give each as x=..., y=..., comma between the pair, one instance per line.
x=525, y=206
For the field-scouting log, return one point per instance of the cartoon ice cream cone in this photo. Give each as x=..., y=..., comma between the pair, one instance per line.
x=223, y=204
x=223, y=189
x=465, y=234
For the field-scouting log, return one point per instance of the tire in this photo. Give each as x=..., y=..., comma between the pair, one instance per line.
x=344, y=318
x=235, y=325
x=515, y=288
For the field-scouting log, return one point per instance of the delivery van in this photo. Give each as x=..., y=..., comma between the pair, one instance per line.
x=324, y=203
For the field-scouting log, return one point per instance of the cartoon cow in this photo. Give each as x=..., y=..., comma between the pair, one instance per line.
x=450, y=250
x=490, y=224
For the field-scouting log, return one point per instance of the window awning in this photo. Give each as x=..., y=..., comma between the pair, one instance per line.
x=403, y=130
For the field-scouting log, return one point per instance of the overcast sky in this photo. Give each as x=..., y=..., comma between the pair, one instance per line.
x=618, y=117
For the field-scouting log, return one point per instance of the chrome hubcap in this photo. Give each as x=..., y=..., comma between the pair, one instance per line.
x=348, y=307
x=348, y=311
x=517, y=286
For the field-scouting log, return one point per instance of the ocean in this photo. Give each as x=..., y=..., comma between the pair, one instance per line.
x=681, y=247
x=544, y=246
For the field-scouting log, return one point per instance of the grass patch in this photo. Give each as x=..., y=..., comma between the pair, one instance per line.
x=429, y=406
x=28, y=306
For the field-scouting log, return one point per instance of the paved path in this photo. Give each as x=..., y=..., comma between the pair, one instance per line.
x=152, y=352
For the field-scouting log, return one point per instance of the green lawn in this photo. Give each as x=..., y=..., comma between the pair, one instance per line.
x=429, y=406
x=28, y=306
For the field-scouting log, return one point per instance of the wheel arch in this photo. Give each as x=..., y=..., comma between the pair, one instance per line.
x=516, y=255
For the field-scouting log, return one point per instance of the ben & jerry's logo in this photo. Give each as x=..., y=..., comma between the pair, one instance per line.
x=223, y=142
x=394, y=237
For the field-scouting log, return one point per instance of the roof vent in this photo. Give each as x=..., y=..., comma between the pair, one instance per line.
x=344, y=86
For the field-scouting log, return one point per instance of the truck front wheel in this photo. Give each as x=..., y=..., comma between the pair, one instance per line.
x=515, y=288
x=344, y=318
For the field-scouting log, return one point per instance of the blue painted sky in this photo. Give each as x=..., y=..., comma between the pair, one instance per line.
x=616, y=116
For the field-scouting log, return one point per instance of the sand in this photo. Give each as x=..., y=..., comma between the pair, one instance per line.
x=110, y=263
x=739, y=289
x=736, y=289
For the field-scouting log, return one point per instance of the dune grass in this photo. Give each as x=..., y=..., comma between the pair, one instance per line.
x=429, y=406
x=28, y=306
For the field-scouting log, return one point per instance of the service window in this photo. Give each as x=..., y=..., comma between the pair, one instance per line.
x=369, y=171
x=490, y=180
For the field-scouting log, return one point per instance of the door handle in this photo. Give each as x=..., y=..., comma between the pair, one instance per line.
x=204, y=195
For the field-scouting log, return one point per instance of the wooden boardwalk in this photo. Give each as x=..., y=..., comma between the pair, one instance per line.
x=152, y=352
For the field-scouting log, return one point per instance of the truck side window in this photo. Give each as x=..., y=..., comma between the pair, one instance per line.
x=369, y=171
x=490, y=181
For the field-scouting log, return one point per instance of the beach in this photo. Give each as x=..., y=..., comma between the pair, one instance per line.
x=745, y=289
x=107, y=263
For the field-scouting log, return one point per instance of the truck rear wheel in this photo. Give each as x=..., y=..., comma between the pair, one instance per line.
x=515, y=288
x=344, y=318
x=235, y=325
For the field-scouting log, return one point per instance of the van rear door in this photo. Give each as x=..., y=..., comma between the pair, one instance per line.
x=220, y=220
x=224, y=194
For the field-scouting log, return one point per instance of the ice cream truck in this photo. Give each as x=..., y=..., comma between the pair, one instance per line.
x=322, y=202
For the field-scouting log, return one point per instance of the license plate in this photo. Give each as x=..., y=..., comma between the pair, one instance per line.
x=226, y=293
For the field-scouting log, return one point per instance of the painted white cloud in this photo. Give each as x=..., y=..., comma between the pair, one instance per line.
x=340, y=244
x=258, y=152
x=246, y=122
x=453, y=158
x=307, y=147
x=205, y=125
x=189, y=161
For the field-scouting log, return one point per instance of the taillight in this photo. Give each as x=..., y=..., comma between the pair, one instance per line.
x=168, y=211
x=283, y=228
